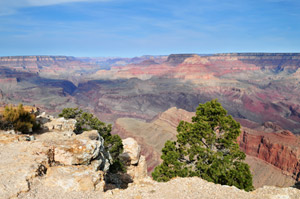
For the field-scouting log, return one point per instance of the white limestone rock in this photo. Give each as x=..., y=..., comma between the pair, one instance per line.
x=132, y=151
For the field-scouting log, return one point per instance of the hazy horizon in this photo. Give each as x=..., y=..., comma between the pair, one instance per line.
x=112, y=57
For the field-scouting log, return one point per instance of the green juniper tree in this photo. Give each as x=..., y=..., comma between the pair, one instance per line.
x=206, y=148
x=87, y=121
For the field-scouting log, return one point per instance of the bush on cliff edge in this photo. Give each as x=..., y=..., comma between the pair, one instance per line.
x=19, y=119
x=87, y=121
x=206, y=148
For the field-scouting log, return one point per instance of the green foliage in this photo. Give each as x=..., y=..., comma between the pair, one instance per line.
x=70, y=113
x=5, y=125
x=18, y=119
x=207, y=148
x=87, y=121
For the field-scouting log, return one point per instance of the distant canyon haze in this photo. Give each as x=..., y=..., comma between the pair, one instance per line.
x=254, y=87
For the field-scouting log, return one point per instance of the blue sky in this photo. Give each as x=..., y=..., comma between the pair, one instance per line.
x=147, y=27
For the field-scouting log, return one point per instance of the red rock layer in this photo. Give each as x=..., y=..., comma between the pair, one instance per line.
x=280, y=149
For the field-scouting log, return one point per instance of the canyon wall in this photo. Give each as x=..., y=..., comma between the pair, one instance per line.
x=281, y=149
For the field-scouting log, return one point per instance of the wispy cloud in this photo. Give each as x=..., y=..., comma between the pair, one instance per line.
x=12, y=6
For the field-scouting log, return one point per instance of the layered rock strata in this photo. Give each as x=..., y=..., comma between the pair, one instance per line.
x=281, y=149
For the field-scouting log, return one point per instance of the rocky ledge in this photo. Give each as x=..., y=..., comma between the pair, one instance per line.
x=60, y=159
x=60, y=164
x=180, y=188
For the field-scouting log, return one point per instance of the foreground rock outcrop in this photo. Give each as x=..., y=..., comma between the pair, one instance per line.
x=66, y=160
x=54, y=160
x=60, y=159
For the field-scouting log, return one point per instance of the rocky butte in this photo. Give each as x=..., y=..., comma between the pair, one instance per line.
x=59, y=164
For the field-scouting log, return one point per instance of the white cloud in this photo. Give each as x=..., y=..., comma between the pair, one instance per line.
x=8, y=7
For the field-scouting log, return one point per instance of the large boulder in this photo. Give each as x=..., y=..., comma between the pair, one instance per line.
x=136, y=163
x=138, y=172
x=84, y=149
x=50, y=123
x=132, y=151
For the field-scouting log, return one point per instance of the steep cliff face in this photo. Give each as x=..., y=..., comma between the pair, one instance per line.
x=281, y=149
x=277, y=62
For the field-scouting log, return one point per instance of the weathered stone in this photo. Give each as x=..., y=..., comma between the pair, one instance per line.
x=75, y=178
x=24, y=157
x=89, y=135
x=50, y=123
x=84, y=149
x=138, y=172
x=20, y=162
x=44, y=118
x=6, y=138
x=132, y=151
x=75, y=152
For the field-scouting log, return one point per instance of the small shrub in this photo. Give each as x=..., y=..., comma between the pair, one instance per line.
x=18, y=119
x=5, y=125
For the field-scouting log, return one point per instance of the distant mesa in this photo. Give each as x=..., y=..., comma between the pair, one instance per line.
x=147, y=62
x=176, y=59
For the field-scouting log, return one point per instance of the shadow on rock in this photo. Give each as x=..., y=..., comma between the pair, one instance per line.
x=117, y=180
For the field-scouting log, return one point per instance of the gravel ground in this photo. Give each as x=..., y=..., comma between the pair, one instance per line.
x=179, y=188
